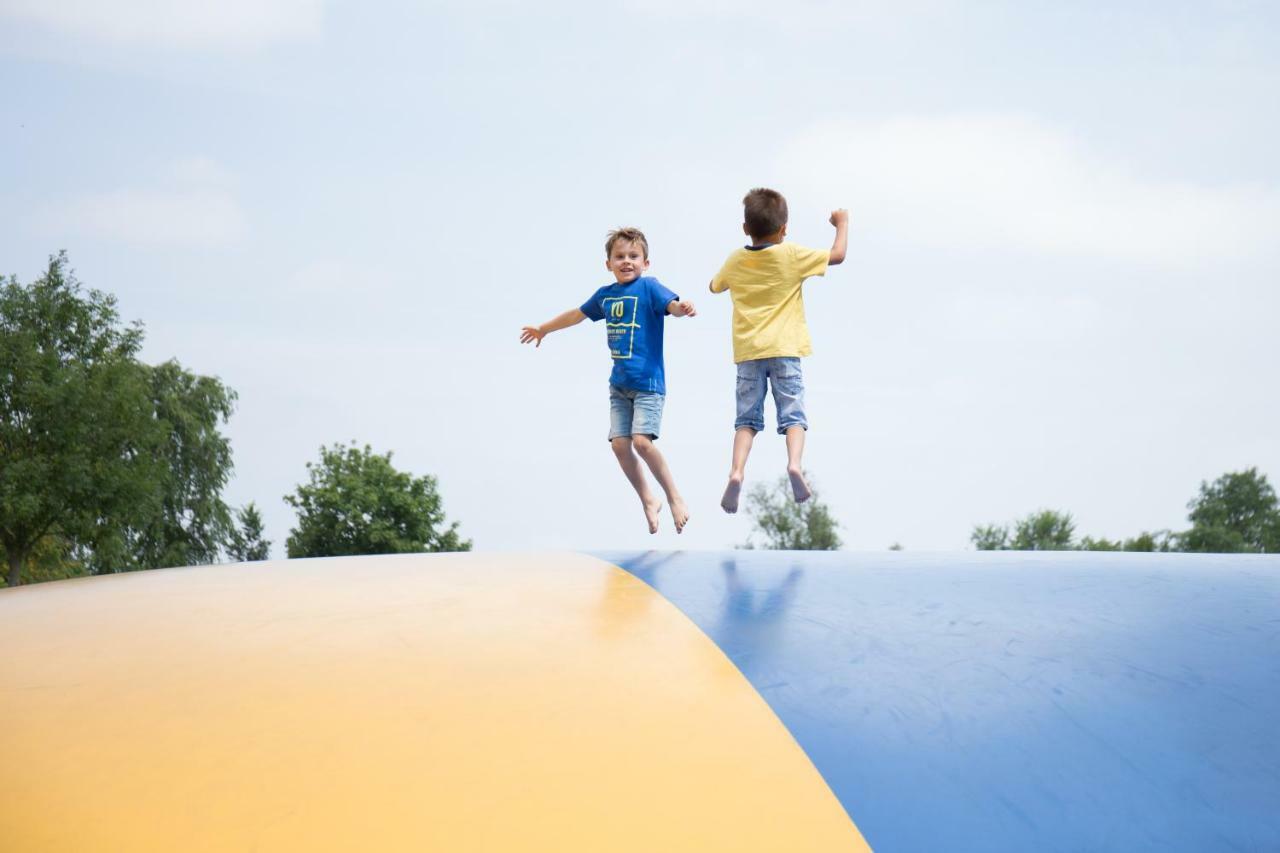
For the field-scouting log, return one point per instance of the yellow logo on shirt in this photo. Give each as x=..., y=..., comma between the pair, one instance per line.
x=621, y=321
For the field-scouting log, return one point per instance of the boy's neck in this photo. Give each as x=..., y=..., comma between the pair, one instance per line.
x=769, y=239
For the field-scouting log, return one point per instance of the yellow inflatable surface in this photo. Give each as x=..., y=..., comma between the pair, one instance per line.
x=426, y=702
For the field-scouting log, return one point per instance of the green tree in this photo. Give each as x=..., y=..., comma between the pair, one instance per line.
x=51, y=559
x=786, y=525
x=185, y=522
x=120, y=462
x=1052, y=531
x=1161, y=540
x=1046, y=530
x=1235, y=513
x=76, y=423
x=246, y=542
x=1145, y=541
x=355, y=502
x=990, y=537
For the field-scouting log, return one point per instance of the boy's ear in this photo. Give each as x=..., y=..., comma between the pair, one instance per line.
x=746, y=230
x=783, y=232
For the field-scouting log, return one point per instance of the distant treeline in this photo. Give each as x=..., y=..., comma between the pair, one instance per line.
x=1235, y=514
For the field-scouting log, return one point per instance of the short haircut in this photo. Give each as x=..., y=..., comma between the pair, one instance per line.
x=764, y=212
x=631, y=235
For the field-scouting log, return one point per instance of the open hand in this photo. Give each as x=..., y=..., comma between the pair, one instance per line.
x=532, y=333
x=686, y=308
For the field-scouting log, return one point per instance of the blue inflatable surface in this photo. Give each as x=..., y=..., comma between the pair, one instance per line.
x=1012, y=701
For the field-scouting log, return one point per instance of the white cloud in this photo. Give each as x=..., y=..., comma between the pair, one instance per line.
x=1015, y=184
x=168, y=24
x=195, y=210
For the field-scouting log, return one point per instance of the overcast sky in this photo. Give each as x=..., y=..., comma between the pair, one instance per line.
x=1062, y=290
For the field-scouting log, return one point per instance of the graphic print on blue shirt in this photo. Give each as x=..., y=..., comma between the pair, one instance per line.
x=634, y=315
x=620, y=324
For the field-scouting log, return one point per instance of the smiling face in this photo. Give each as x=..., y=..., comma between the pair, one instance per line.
x=627, y=261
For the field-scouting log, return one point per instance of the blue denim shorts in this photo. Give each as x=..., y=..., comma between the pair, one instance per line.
x=787, y=381
x=633, y=412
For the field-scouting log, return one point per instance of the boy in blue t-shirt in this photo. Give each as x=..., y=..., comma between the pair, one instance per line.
x=633, y=308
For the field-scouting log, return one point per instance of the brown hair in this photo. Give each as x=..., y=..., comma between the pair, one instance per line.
x=631, y=235
x=764, y=212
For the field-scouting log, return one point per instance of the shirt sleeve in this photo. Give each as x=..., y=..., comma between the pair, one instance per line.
x=592, y=307
x=660, y=297
x=720, y=283
x=810, y=262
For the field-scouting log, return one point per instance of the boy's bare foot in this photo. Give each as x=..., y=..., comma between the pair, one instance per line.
x=652, y=507
x=799, y=488
x=729, y=503
x=679, y=514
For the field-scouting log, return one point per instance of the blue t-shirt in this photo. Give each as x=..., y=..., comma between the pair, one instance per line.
x=633, y=315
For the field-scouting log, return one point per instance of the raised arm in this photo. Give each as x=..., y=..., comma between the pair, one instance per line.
x=572, y=317
x=840, y=219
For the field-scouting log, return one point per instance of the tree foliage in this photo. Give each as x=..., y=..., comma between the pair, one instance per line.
x=185, y=521
x=76, y=422
x=786, y=525
x=356, y=503
x=990, y=537
x=246, y=542
x=51, y=559
x=119, y=462
x=1052, y=530
x=1102, y=543
x=1161, y=540
x=1045, y=530
x=1236, y=513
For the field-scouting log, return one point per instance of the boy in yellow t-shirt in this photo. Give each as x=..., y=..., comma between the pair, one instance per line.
x=769, y=332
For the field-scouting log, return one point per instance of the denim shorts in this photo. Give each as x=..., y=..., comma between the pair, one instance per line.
x=787, y=381
x=633, y=412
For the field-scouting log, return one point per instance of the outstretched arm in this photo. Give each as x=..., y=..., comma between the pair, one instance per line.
x=681, y=308
x=572, y=317
x=840, y=219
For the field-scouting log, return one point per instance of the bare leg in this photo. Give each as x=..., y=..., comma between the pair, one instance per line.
x=795, y=449
x=737, y=471
x=658, y=465
x=631, y=467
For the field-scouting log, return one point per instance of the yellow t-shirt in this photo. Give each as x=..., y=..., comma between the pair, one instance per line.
x=768, y=307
